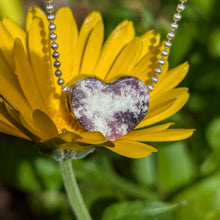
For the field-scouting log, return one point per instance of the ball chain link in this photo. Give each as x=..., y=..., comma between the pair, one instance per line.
x=170, y=36
x=54, y=45
x=164, y=53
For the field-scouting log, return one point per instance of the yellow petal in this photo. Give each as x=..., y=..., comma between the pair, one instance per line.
x=150, y=39
x=157, y=109
x=30, y=126
x=166, y=96
x=87, y=28
x=40, y=54
x=119, y=38
x=158, y=127
x=10, y=88
x=166, y=135
x=69, y=136
x=126, y=59
x=77, y=147
x=45, y=125
x=6, y=44
x=163, y=102
x=12, y=116
x=38, y=45
x=26, y=78
x=61, y=141
x=7, y=129
x=92, y=49
x=172, y=78
x=35, y=13
x=64, y=119
x=145, y=68
x=132, y=149
x=15, y=31
x=15, y=118
x=165, y=113
x=67, y=35
x=22, y=122
x=92, y=137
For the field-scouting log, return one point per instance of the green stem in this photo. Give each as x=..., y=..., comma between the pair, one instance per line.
x=75, y=198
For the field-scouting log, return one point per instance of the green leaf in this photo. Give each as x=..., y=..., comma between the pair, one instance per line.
x=213, y=134
x=115, y=15
x=49, y=173
x=147, y=18
x=48, y=201
x=174, y=167
x=26, y=178
x=204, y=7
x=182, y=43
x=214, y=43
x=208, y=81
x=210, y=164
x=203, y=200
x=196, y=103
x=144, y=170
x=40, y=173
x=26, y=170
x=99, y=180
x=138, y=210
x=16, y=165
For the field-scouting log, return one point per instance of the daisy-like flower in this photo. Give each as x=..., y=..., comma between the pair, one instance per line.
x=32, y=105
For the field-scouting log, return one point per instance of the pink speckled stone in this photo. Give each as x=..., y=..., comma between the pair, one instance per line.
x=114, y=109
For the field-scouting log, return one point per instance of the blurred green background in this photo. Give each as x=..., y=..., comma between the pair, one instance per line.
x=183, y=178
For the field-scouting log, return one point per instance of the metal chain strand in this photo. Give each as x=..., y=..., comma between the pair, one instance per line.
x=164, y=53
x=54, y=45
x=170, y=36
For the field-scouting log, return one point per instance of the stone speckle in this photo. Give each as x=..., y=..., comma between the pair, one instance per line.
x=114, y=109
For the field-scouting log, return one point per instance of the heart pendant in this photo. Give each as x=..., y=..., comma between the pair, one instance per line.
x=114, y=109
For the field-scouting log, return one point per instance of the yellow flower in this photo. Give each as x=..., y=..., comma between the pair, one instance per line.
x=32, y=106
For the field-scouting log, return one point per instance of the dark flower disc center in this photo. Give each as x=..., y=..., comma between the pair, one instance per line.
x=114, y=109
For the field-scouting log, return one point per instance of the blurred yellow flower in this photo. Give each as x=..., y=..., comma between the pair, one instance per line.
x=12, y=9
x=32, y=106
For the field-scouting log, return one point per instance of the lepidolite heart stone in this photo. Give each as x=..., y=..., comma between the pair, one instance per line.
x=114, y=109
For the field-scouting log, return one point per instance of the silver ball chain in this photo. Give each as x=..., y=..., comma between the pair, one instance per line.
x=54, y=45
x=170, y=36
x=164, y=53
